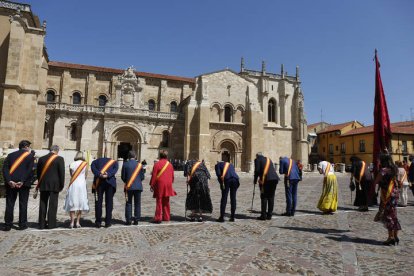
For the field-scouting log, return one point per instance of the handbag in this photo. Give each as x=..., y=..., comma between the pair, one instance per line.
x=379, y=216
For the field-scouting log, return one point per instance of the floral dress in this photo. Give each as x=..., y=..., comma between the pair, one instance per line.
x=389, y=200
x=198, y=198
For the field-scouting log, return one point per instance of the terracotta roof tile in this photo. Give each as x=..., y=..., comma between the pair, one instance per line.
x=395, y=128
x=335, y=127
x=117, y=71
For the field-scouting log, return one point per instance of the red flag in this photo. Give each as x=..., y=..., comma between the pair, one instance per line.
x=382, y=129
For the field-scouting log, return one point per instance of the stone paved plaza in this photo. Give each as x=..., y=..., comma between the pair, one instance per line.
x=346, y=243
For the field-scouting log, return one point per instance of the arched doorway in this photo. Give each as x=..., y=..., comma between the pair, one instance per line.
x=228, y=152
x=123, y=140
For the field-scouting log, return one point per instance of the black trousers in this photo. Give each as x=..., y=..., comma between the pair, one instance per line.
x=109, y=191
x=268, y=198
x=137, y=206
x=11, y=196
x=230, y=186
x=48, y=205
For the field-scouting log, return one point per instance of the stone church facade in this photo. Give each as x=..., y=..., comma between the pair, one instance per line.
x=223, y=115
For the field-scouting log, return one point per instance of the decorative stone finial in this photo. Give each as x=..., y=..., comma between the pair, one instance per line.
x=297, y=73
x=282, y=71
x=263, y=67
x=242, y=64
x=44, y=24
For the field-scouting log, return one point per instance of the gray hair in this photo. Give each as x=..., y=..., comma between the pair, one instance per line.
x=54, y=148
x=131, y=154
x=79, y=156
x=259, y=154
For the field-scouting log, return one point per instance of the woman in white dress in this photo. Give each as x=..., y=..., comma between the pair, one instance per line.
x=77, y=196
x=403, y=184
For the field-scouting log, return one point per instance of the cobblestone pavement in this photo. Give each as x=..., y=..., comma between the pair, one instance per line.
x=346, y=243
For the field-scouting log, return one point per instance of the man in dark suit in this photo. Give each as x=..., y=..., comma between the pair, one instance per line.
x=18, y=174
x=265, y=174
x=132, y=175
x=104, y=181
x=51, y=180
x=229, y=181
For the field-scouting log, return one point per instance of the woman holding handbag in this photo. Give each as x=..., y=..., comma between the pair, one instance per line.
x=387, y=214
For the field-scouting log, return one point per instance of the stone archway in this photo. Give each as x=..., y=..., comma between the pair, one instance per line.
x=228, y=152
x=123, y=140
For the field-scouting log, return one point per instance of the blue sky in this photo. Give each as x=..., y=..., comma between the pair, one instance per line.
x=332, y=41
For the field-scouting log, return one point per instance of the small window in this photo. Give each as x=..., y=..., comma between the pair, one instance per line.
x=76, y=98
x=173, y=107
x=151, y=105
x=331, y=149
x=50, y=96
x=361, y=145
x=404, y=147
x=271, y=111
x=227, y=113
x=343, y=149
x=73, y=131
x=102, y=100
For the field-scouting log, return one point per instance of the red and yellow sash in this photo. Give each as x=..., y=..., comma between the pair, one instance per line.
x=328, y=169
x=290, y=167
x=266, y=169
x=225, y=169
x=133, y=176
x=193, y=170
x=361, y=173
x=162, y=170
x=18, y=161
x=404, y=177
x=386, y=194
x=78, y=170
x=46, y=168
x=103, y=170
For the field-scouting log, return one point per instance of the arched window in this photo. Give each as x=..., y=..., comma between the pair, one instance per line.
x=102, y=100
x=165, y=139
x=72, y=132
x=151, y=105
x=50, y=96
x=227, y=113
x=173, y=107
x=271, y=111
x=76, y=98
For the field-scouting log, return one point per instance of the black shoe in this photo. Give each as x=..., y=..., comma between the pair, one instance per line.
x=200, y=219
x=261, y=218
x=389, y=242
x=220, y=219
x=156, y=221
x=6, y=228
x=23, y=227
x=107, y=225
x=135, y=222
x=285, y=215
x=397, y=240
x=231, y=219
x=98, y=225
x=269, y=217
x=128, y=223
x=192, y=219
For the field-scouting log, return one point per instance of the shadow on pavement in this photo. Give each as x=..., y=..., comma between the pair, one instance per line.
x=345, y=238
x=313, y=230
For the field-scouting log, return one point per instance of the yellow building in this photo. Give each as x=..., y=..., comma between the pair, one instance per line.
x=337, y=143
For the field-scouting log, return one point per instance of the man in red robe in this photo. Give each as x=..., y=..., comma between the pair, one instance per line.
x=161, y=184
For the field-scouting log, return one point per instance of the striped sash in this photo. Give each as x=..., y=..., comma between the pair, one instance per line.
x=162, y=170
x=77, y=172
x=103, y=170
x=328, y=169
x=18, y=162
x=386, y=194
x=361, y=173
x=290, y=167
x=133, y=176
x=265, y=171
x=225, y=169
x=46, y=168
x=193, y=170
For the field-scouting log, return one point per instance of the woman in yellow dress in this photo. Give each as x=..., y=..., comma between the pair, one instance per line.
x=328, y=201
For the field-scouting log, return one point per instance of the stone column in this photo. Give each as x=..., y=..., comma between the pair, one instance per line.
x=204, y=123
x=162, y=92
x=90, y=87
x=59, y=131
x=86, y=133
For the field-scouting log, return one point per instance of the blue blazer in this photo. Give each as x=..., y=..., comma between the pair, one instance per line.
x=230, y=175
x=284, y=168
x=96, y=167
x=128, y=169
x=259, y=166
x=23, y=173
